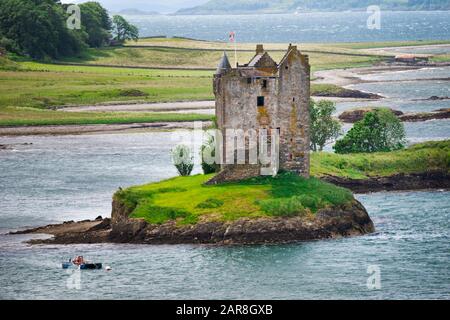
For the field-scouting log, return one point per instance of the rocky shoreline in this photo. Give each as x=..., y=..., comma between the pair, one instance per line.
x=349, y=93
x=348, y=220
x=354, y=115
x=398, y=182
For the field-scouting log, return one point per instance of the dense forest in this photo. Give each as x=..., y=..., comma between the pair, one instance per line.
x=41, y=29
x=284, y=6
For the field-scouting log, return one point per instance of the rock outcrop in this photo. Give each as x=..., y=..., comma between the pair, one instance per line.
x=348, y=220
x=398, y=182
x=354, y=115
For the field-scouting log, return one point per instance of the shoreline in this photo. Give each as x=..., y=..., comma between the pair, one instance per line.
x=338, y=77
x=330, y=223
x=95, y=128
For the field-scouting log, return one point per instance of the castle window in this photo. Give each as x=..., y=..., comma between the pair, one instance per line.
x=249, y=80
x=264, y=84
x=260, y=101
x=286, y=67
x=293, y=99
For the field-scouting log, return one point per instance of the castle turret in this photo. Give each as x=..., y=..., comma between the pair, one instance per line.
x=224, y=65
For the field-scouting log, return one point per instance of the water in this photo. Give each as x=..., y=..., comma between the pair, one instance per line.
x=59, y=178
x=411, y=248
x=304, y=27
x=73, y=177
x=406, y=91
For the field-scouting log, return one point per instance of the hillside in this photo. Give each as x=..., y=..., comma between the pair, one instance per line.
x=287, y=6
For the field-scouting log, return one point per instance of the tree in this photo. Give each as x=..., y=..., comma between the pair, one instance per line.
x=379, y=130
x=37, y=28
x=95, y=21
x=182, y=159
x=123, y=30
x=324, y=128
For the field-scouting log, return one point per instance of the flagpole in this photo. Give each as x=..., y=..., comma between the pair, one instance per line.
x=235, y=51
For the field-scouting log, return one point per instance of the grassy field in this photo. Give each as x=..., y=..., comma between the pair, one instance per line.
x=351, y=47
x=441, y=58
x=189, y=201
x=15, y=116
x=418, y=158
x=130, y=75
x=164, y=57
x=46, y=85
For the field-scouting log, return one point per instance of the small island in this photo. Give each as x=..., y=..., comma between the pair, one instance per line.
x=277, y=209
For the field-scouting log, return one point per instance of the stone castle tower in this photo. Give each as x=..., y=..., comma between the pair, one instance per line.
x=265, y=95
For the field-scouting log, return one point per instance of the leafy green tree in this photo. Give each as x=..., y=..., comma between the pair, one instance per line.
x=182, y=159
x=379, y=130
x=95, y=21
x=37, y=28
x=324, y=128
x=123, y=30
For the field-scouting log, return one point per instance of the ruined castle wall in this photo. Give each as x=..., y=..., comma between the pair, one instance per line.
x=240, y=100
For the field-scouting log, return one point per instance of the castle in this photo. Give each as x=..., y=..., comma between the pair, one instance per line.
x=264, y=95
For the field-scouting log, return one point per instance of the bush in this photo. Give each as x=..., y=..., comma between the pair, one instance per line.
x=379, y=131
x=208, y=149
x=183, y=160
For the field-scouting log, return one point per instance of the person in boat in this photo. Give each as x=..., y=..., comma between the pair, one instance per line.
x=79, y=260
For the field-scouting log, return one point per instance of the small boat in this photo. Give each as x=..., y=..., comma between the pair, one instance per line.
x=80, y=263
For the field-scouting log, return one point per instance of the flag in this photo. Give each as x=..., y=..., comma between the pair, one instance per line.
x=232, y=36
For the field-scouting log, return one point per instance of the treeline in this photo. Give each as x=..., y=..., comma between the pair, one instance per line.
x=41, y=29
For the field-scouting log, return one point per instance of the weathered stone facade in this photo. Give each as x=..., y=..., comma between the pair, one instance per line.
x=265, y=95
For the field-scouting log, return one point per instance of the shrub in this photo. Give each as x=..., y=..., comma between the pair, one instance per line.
x=208, y=150
x=183, y=160
x=378, y=131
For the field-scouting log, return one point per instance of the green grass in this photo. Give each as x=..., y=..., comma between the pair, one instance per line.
x=42, y=85
x=441, y=58
x=27, y=84
x=156, y=57
x=188, y=200
x=326, y=89
x=424, y=157
x=14, y=116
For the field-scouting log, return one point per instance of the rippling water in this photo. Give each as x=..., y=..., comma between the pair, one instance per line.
x=73, y=177
x=303, y=27
x=411, y=248
x=406, y=91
